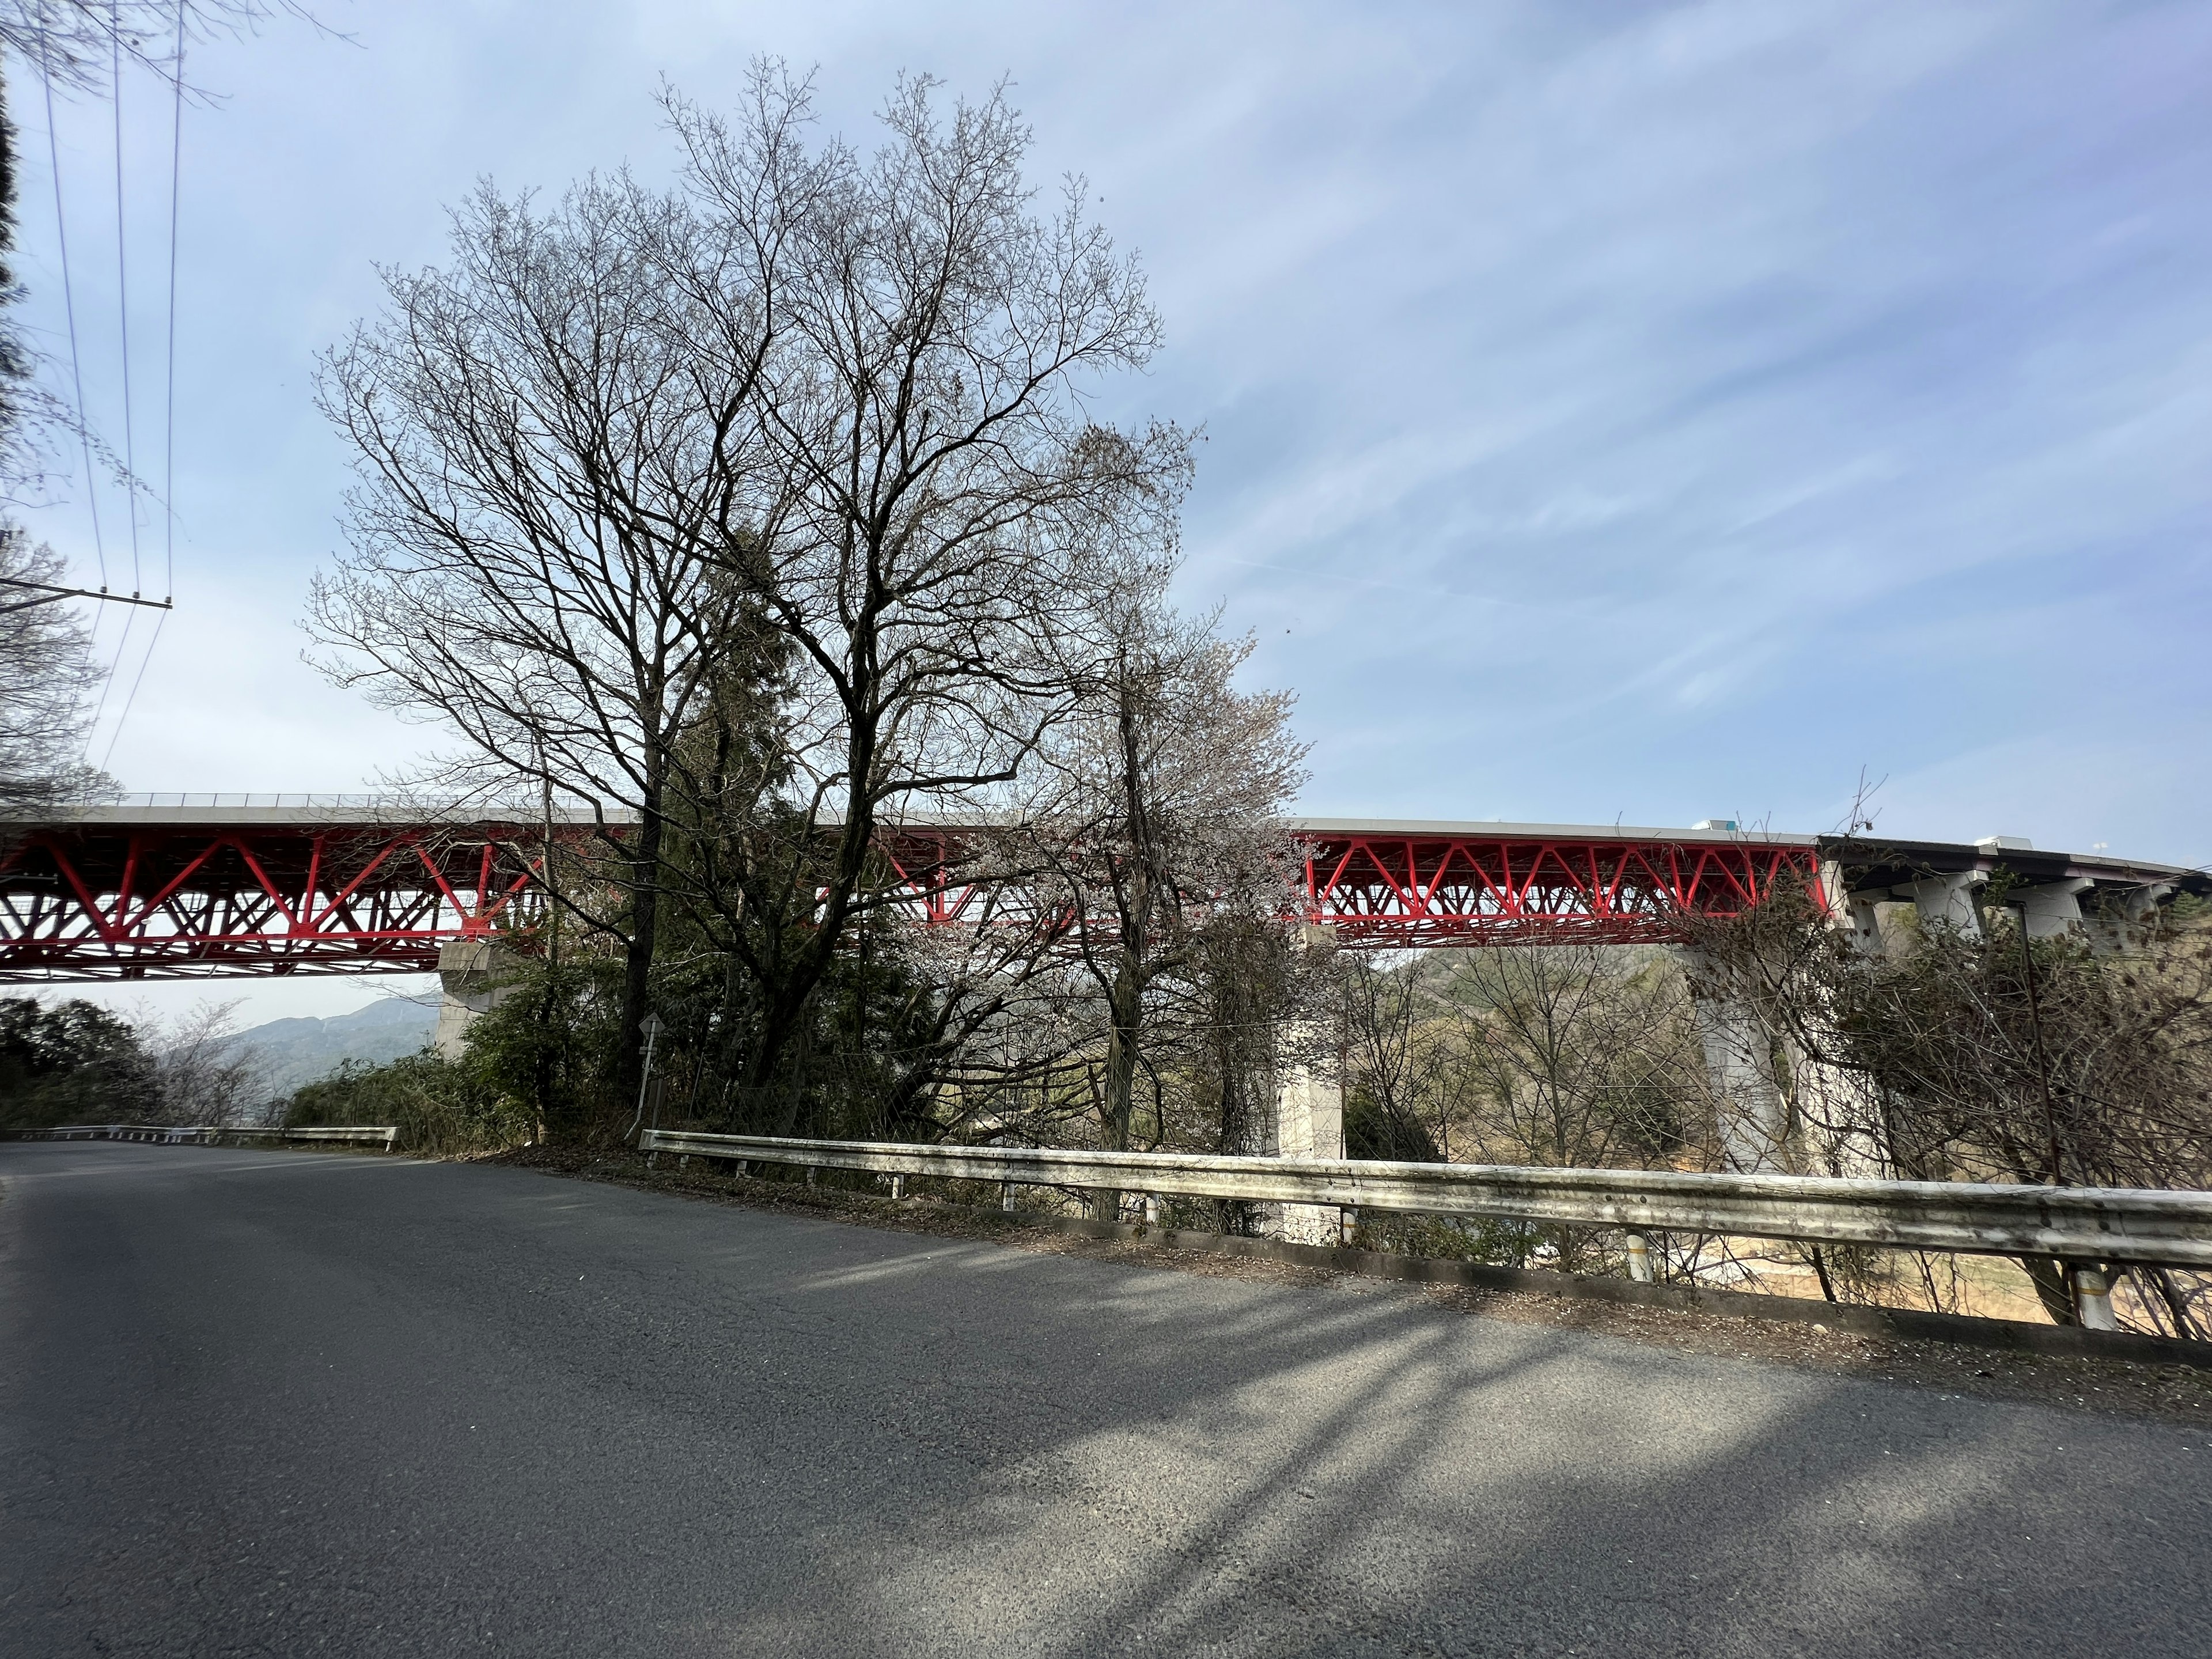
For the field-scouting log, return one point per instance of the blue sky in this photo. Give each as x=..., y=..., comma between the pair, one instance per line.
x=1611, y=412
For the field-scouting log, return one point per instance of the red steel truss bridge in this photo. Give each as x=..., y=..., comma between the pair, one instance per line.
x=330, y=887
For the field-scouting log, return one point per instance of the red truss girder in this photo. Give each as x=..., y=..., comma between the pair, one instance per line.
x=181, y=901
x=107, y=902
x=1389, y=891
x=1384, y=891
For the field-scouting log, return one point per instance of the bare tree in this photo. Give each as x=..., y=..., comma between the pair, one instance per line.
x=547, y=514
x=1407, y=1078
x=48, y=674
x=1583, y=1054
x=934, y=477
x=202, y=1073
x=754, y=507
x=80, y=45
x=1976, y=1053
x=1163, y=810
x=83, y=47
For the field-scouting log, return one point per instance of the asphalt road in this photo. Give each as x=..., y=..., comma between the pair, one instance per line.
x=294, y=1404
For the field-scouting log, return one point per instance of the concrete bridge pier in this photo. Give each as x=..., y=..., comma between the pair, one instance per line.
x=477, y=975
x=1739, y=1052
x=1950, y=900
x=1741, y=1065
x=1309, y=1123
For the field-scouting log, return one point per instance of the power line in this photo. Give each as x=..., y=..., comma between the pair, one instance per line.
x=69, y=304
x=122, y=286
x=169, y=418
x=107, y=680
x=144, y=662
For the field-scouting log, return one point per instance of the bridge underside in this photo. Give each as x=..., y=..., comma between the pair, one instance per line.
x=181, y=901
x=142, y=893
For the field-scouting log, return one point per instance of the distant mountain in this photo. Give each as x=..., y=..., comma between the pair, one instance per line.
x=297, y=1051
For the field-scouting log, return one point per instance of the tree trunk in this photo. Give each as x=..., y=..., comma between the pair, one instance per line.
x=637, y=958
x=780, y=1019
x=1124, y=1011
x=2048, y=1276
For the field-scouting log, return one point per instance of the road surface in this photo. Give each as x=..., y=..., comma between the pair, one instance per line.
x=292, y=1404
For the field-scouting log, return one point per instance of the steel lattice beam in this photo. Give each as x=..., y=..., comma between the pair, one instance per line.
x=1406, y=890
x=184, y=900
x=132, y=893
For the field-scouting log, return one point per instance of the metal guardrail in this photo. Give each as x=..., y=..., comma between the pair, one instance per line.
x=208, y=1135
x=2167, y=1228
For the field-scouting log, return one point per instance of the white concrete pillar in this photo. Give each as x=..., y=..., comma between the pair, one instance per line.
x=1739, y=1053
x=1949, y=900
x=477, y=975
x=2141, y=904
x=1885, y=927
x=1309, y=1123
x=1639, y=1258
x=2054, y=908
x=1309, y=1113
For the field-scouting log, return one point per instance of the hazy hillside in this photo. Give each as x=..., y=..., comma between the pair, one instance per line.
x=297, y=1051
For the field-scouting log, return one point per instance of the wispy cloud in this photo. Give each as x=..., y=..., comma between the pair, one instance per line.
x=1608, y=410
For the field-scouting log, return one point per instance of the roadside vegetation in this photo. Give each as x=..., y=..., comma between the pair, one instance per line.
x=73, y=1061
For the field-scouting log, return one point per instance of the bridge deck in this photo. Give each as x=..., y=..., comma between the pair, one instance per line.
x=139, y=891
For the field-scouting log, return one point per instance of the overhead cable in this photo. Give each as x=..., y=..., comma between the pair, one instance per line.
x=123, y=286
x=169, y=418
x=68, y=305
x=144, y=662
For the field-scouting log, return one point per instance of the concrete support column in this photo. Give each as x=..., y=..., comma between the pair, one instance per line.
x=1884, y=927
x=2054, y=908
x=1309, y=1123
x=1739, y=1051
x=1949, y=900
x=477, y=975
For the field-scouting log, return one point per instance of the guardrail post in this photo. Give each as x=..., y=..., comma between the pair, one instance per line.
x=1348, y=1223
x=2094, y=1296
x=898, y=1186
x=738, y=1172
x=1005, y=1195
x=1152, y=1209
x=1639, y=1258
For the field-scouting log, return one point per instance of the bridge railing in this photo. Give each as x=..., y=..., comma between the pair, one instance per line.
x=210, y=1134
x=2082, y=1224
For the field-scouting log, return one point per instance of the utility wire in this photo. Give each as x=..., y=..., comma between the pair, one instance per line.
x=107, y=680
x=123, y=285
x=68, y=305
x=143, y=662
x=169, y=384
x=169, y=419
